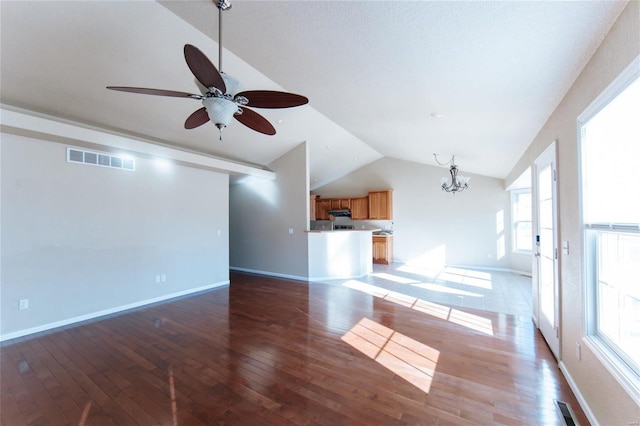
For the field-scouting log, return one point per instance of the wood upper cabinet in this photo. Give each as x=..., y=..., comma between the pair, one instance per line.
x=312, y=207
x=381, y=205
x=378, y=205
x=323, y=205
x=322, y=209
x=382, y=249
x=340, y=203
x=360, y=208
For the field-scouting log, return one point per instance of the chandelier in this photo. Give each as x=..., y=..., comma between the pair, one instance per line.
x=458, y=183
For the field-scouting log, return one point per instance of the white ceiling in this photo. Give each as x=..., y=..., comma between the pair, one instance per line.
x=374, y=71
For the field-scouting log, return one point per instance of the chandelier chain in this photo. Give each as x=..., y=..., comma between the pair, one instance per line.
x=446, y=163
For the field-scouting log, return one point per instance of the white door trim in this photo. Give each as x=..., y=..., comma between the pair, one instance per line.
x=551, y=332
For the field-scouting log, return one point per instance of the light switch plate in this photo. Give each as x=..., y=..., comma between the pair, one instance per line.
x=565, y=247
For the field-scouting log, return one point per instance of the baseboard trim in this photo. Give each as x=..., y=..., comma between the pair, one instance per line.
x=295, y=277
x=523, y=273
x=576, y=391
x=110, y=311
x=269, y=273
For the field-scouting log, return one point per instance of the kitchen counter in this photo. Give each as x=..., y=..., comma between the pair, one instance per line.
x=340, y=253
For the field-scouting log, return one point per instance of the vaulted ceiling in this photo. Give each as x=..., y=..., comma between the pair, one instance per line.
x=375, y=73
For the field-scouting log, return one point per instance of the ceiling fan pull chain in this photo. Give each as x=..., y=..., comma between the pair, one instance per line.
x=220, y=127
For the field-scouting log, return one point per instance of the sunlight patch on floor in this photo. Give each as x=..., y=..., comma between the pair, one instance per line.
x=465, y=319
x=440, y=272
x=415, y=362
x=444, y=289
x=419, y=270
x=394, y=278
x=471, y=321
x=469, y=273
x=85, y=414
x=467, y=277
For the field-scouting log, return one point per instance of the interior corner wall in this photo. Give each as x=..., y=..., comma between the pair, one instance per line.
x=521, y=263
x=262, y=212
x=80, y=241
x=432, y=227
x=606, y=401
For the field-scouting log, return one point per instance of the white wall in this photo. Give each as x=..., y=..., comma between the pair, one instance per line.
x=607, y=402
x=263, y=211
x=432, y=226
x=81, y=240
x=521, y=263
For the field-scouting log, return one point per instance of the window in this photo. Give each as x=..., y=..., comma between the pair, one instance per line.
x=609, y=142
x=521, y=220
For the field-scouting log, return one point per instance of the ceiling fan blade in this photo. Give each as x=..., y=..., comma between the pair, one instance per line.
x=255, y=121
x=157, y=92
x=273, y=99
x=203, y=69
x=198, y=118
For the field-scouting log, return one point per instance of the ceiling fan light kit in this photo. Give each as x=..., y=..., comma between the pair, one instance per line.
x=221, y=94
x=220, y=110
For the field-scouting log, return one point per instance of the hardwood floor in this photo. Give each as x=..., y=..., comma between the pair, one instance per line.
x=273, y=351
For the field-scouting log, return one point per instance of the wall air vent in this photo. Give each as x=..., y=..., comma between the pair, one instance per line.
x=75, y=155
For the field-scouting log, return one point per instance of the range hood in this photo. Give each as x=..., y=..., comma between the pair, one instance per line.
x=340, y=213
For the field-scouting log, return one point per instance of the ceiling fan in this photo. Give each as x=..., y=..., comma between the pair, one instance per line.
x=220, y=93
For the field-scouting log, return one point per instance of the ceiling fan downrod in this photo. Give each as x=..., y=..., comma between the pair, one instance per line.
x=222, y=5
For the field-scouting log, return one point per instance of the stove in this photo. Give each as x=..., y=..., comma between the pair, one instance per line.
x=343, y=227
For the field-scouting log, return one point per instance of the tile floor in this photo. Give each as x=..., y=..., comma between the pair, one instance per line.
x=495, y=291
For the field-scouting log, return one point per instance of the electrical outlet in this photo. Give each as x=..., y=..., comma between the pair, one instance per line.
x=157, y=279
x=24, y=304
x=164, y=277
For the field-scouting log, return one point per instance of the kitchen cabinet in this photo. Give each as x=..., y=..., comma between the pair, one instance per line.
x=360, y=208
x=381, y=205
x=312, y=207
x=322, y=208
x=382, y=249
x=377, y=206
x=340, y=203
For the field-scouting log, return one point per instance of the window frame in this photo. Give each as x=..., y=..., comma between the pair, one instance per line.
x=515, y=193
x=626, y=376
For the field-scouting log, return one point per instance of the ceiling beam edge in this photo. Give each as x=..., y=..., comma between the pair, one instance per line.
x=38, y=126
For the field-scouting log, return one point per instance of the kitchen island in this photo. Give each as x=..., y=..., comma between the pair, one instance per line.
x=340, y=254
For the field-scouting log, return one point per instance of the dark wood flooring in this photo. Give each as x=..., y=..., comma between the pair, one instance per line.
x=272, y=351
